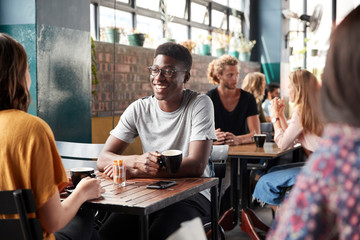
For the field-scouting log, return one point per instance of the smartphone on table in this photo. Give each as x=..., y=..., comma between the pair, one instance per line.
x=161, y=184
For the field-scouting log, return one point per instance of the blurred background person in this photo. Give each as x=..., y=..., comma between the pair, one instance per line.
x=236, y=114
x=325, y=201
x=29, y=158
x=272, y=91
x=305, y=127
x=235, y=109
x=255, y=84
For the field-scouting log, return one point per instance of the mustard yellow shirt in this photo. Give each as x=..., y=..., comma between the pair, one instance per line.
x=29, y=158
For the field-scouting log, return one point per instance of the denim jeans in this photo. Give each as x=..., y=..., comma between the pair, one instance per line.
x=271, y=187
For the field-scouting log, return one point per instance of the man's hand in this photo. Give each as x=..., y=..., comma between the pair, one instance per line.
x=141, y=165
x=220, y=137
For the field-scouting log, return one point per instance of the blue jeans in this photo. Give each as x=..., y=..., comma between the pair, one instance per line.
x=271, y=187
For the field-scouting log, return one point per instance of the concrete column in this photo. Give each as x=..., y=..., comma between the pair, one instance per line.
x=56, y=36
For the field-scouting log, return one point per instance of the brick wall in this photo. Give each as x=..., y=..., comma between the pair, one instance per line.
x=126, y=79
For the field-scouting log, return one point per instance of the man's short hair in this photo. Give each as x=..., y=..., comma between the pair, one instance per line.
x=176, y=51
x=272, y=86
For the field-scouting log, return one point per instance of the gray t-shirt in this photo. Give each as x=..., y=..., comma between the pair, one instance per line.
x=159, y=130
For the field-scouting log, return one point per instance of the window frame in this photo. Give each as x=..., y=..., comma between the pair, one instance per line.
x=134, y=10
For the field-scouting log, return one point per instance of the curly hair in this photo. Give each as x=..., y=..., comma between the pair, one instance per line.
x=307, y=94
x=255, y=84
x=218, y=65
x=14, y=93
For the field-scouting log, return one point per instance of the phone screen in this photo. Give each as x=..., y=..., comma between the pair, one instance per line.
x=161, y=184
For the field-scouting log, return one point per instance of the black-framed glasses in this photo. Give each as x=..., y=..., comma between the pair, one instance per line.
x=168, y=73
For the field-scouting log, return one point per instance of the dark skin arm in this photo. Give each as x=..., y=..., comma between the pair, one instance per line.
x=146, y=165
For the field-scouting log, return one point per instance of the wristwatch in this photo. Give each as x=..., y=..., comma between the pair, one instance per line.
x=273, y=120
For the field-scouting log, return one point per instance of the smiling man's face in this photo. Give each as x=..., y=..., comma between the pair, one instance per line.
x=168, y=89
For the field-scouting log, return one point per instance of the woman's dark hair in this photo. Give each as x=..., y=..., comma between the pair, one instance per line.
x=340, y=90
x=177, y=51
x=14, y=93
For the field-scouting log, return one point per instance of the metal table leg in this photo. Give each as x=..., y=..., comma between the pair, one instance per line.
x=144, y=227
x=214, y=212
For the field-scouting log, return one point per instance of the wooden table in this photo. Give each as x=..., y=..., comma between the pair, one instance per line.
x=242, y=153
x=136, y=199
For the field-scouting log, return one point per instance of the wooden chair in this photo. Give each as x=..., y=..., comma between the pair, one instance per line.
x=72, y=152
x=21, y=202
x=219, y=155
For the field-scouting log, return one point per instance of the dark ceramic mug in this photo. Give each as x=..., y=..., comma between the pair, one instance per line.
x=259, y=140
x=171, y=159
x=79, y=173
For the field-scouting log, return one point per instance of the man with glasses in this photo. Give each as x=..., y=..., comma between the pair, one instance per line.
x=173, y=118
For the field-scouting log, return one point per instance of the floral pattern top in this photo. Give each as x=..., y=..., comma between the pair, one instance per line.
x=325, y=201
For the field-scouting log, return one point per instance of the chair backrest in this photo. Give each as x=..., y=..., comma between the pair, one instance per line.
x=21, y=202
x=268, y=129
x=219, y=155
x=72, y=152
x=75, y=150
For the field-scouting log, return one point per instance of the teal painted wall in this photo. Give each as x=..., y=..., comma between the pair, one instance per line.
x=25, y=34
x=271, y=71
x=56, y=36
x=270, y=37
x=17, y=18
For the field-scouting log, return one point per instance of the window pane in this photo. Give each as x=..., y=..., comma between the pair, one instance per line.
x=179, y=32
x=92, y=21
x=124, y=1
x=218, y=19
x=199, y=13
x=148, y=4
x=235, y=24
x=176, y=8
x=114, y=18
x=223, y=2
x=236, y=4
x=152, y=27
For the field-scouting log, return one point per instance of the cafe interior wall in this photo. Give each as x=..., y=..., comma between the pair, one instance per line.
x=56, y=37
x=267, y=29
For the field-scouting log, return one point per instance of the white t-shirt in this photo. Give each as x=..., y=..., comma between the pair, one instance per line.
x=160, y=131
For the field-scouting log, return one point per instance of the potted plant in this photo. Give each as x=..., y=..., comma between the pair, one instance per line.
x=245, y=48
x=94, y=78
x=189, y=44
x=136, y=38
x=221, y=41
x=112, y=34
x=240, y=47
x=204, y=48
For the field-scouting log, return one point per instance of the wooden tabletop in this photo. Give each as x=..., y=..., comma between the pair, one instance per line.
x=270, y=150
x=136, y=199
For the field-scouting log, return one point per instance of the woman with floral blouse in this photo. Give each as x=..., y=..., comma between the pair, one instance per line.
x=325, y=201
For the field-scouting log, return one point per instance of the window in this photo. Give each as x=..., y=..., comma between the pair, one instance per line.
x=199, y=13
x=114, y=18
x=181, y=32
x=148, y=4
x=236, y=4
x=176, y=8
x=222, y=2
x=148, y=19
x=92, y=21
x=152, y=27
x=235, y=24
x=219, y=19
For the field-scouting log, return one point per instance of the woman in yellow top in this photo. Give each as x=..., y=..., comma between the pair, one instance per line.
x=29, y=158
